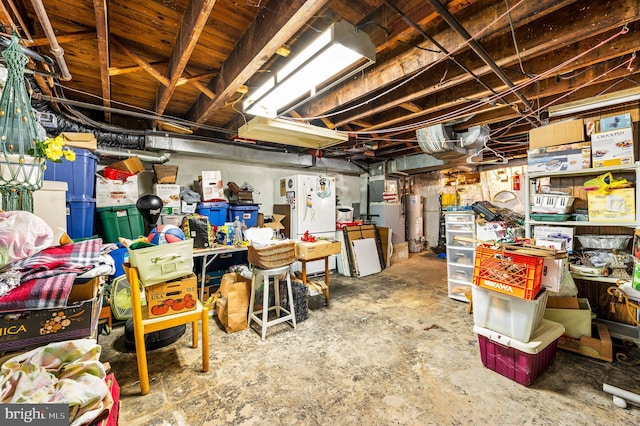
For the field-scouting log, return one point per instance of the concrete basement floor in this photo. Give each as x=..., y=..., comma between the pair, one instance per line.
x=391, y=348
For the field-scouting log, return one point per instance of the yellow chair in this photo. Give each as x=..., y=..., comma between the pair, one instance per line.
x=142, y=325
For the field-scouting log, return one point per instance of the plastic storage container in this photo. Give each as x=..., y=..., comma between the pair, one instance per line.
x=120, y=221
x=245, y=212
x=80, y=217
x=510, y=273
x=519, y=361
x=79, y=174
x=216, y=211
x=512, y=316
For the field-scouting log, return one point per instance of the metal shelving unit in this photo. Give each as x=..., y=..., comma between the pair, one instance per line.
x=584, y=172
x=616, y=329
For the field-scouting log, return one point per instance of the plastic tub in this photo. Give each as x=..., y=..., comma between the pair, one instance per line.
x=515, y=317
x=247, y=213
x=216, y=211
x=120, y=221
x=79, y=174
x=80, y=217
x=519, y=361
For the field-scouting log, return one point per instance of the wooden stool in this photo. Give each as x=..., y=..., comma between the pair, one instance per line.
x=263, y=320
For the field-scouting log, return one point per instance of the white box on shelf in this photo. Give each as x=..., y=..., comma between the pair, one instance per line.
x=169, y=193
x=112, y=192
x=552, y=272
x=612, y=148
x=211, y=186
x=555, y=232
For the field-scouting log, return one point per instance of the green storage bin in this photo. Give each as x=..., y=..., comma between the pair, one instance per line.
x=120, y=221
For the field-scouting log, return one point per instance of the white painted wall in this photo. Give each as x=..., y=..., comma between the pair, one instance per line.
x=261, y=178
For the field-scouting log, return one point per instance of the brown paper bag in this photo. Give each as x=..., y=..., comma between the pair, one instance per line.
x=233, y=307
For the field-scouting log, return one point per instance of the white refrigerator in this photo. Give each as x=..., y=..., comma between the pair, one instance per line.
x=313, y=208
x=313, y=204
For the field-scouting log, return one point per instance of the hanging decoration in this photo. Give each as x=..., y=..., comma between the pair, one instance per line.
x=23, y=155
x=21, y=167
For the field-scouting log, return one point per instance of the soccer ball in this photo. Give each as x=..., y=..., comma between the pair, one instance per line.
x=165, y=234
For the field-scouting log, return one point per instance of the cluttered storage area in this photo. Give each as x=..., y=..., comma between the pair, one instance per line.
x=311, y=212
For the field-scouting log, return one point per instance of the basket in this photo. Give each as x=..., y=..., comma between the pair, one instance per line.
x=273, y=256
x=551, y=203
x=518, y=275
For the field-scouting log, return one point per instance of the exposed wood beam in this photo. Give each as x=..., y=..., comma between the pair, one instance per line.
x=62, y=38
x=18, y=15
x=113, y=71
x=191, y=78
x=413, y=60
x=5, y=18
x=141, y=62
x=410, y=106
x=193, y=22
x=274, y=27
x=532, y=49
x=102, y=32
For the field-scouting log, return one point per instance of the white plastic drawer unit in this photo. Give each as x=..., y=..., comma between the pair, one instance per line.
x=460, y=255
x=451, y=218
x=452, y=242
x=462, y=273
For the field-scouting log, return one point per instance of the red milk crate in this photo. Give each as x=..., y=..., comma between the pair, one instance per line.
x=515, y=274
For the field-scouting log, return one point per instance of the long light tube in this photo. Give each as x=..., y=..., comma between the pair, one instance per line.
x=596, y=102
x=340, y=47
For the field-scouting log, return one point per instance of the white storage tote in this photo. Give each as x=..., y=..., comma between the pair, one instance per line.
x=512, y=316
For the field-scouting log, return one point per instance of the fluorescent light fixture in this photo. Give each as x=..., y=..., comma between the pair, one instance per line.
x=596, y=102
x=290, y=133
x=341, y=47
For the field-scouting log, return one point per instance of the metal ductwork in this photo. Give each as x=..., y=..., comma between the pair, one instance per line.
x=417, y=163
x=474, y=137
x=145, y=156
x=241, y=154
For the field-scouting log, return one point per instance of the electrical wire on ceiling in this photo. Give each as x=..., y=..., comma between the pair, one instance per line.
x=472, y=107
x=626, y=64
x=425, y=69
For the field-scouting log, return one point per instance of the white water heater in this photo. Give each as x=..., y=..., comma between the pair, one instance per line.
x=414, y=223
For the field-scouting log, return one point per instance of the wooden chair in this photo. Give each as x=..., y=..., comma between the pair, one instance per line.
x=142, y=325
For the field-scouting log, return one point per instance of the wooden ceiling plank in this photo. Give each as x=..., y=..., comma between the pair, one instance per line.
x=410, y=106
x=531, y=51
x=194, y=20
x=273, y=27
x=191, y=78
x=102, y=32
x=5, y=18
x=413, y=60
x=140, y=61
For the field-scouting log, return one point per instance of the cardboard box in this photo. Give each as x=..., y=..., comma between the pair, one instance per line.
x=572, y=312
x=211, y=186
x=575, y=156
x=612, y=148
x=555, y=233
x=492, y=231
x=552, y=273
x=617, y=205
x=80, y=140
x=24, y=329
x=170, y=195
x=560, y=133
x=172, y=297
x=188, y=208
x=277, y=222
x=86, y=290
x=616, y=122
x=131, y=165
x=111, y=192
x=321, y=248
x=165, y=173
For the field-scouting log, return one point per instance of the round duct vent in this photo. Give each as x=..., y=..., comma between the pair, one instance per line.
x=437, y=138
